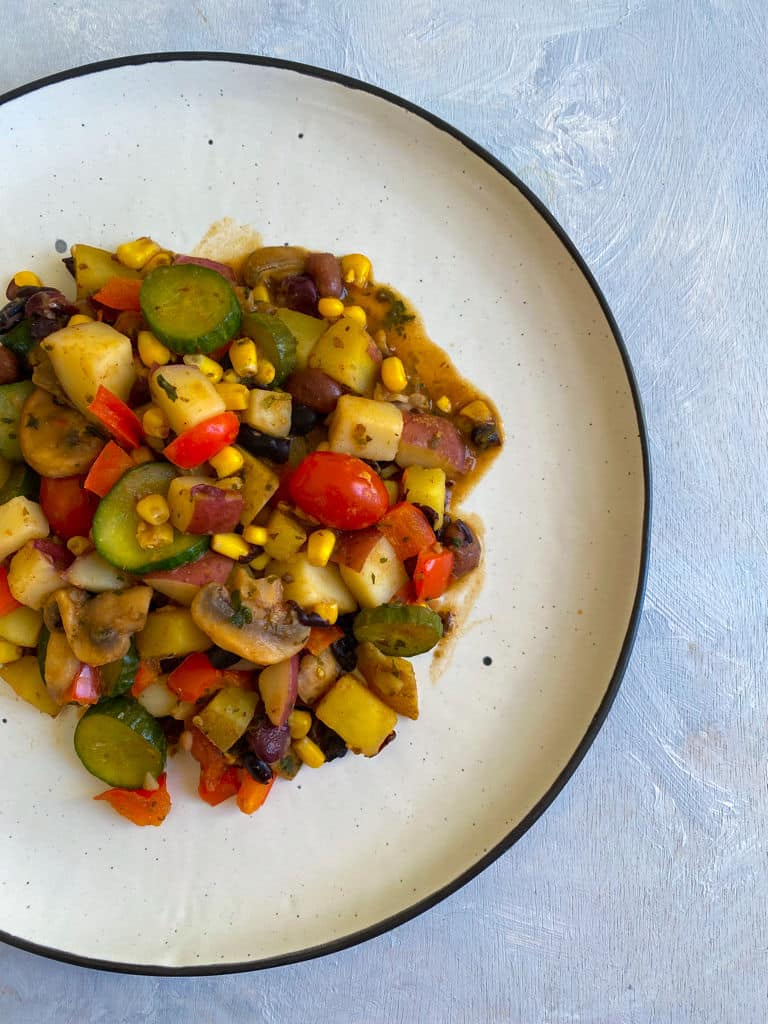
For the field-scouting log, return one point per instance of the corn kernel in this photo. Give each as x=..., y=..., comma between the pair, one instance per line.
x=151, y=537
x=356, y=269
x=231, y=483
x=320, y=547
x=137, y=253
x=78, y=545
x=151, y=351
x=331, y=309
x=260, y=562
x=26, y=279
x=309, y=752
x=142, y=455
x=323, y=447
x=327, y=610
x=230, y=544
x=9, y=652
x=79, y=318
x=155, y=424
x=162, y=259
x=393, y=375
x=230, y=377
x=153, y=509
x=444, y=404
x=265, y=373
x=299, y=723
x=392, y=488
x=243, y=356
x=356, y=313
x=227, y=462
x=478, y=412
x=234, y=396
x=205, y=365
x=260, y=293
x=256, y=535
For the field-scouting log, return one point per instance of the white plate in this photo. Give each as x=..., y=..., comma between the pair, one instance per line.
x=165, y=146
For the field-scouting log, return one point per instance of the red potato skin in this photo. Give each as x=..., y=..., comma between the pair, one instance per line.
x=352, y=549
x=59, y=556
x=214, y=510
x=211, y=568
x=424, y=433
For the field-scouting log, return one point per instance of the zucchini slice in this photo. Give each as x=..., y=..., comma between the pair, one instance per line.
x=274, y=341
x=190, y=308
x=399, y=630
x=119, y=742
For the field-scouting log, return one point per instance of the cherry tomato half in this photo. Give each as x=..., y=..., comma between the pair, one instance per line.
x=339, y=490
x=68, y=508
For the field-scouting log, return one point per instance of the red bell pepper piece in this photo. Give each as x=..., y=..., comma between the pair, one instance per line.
x=8, y=602
x=321, y=637
x=147, y=672
x=119, y=419
x=67, y=507
x=252, y=794
x=120, y=293
x=242, y=678
x=194, y=677
x=406, y=594
x=85, y=688
x=222, y=789
x=141, y=806
x=218, y=779
x=203, y=441
x=110, y=465
x=407, y=529
x=432, y=573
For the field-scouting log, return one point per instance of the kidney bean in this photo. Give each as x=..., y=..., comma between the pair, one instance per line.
x=9, y=366
x=298, y=292
x=458, y=538
x=315, y=389
x=323, y=268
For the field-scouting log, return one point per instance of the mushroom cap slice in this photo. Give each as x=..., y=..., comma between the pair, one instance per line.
x=240, y=622
x=99, y=629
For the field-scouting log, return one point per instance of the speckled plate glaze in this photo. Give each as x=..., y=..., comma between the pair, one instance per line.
x=167, y=144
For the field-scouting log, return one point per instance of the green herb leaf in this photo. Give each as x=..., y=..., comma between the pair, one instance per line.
x=167, y=387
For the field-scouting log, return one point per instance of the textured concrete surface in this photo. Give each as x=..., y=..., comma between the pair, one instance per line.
x=640, y=896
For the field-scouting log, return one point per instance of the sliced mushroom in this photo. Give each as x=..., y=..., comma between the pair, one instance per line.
x=251, y=619
x=56, y=440
x=99, y=629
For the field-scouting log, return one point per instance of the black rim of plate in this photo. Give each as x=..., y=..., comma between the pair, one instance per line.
x=355, y=938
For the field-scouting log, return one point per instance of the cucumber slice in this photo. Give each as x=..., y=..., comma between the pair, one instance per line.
x=190, y=308
x=274, y=341
x=116, y=522
x=42, y=649
x=118, y=741
x=118, y=677
x=12, y=398
x=399, y=630
x=22, y=482
x=305, y=329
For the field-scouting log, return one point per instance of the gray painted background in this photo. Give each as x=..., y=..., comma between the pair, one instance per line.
x=641, y=895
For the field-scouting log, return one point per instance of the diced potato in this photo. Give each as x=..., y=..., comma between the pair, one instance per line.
x=24, y=678
x=32, y=576
x=61, y=665
x=381, y=576
x=285, y=536
x=426, y=486
x=269, y=412
x=362, y=720
x=225, y=719
x=92, y=572
x=305, y=329
x=311, y=585
x=158, y=699
x=348, y=354
x=393, y=680
x=259, y=484
x=21, y=520
x=317, y=674
x=21, y=626
x=429, y=440
x=365, y=428
x=94, y=267
x=198, y=506
x=169, y=633
x=89, y=355
x=185, y=394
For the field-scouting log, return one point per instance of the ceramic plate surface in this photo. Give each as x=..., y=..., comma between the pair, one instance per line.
x=166, y=146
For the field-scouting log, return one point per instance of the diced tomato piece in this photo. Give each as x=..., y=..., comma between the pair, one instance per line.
x=339, y=490
x=252, y=794
x=432, y=573
x=68, y=508
x=194, y=677
x=7, y=601
x=321, y=637
x=120, y=293
x=203, y=441
x=85, y=688
x=141, y=806
x=407, y=529
x=119, y=419
x=225, y=786
x=147, y=672
x=111, y=464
